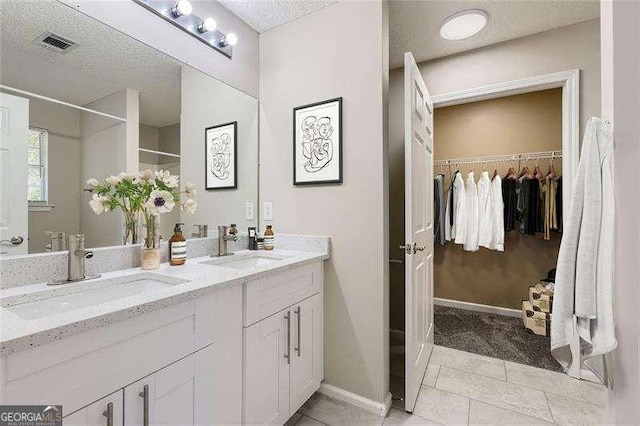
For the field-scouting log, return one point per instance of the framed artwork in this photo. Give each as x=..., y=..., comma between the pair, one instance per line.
x=221, y=151
x=317, y=143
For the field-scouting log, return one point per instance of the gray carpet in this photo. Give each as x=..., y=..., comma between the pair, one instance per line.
x=492, y=335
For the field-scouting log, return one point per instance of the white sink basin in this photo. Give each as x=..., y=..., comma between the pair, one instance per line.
x=245, y=261
x=90, y=293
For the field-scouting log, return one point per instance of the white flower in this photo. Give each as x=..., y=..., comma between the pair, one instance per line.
x=92, y=183
x=113, y=180
x=146, y=175
x=190, y=189
x=165, y=176
x=189, y=206
x=98, y=203
x=127, y=176
x=160, y=202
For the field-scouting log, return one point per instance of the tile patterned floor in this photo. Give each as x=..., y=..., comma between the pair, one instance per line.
x=462, y=388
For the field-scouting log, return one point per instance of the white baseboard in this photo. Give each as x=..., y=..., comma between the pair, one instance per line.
x=487, y=309
x=343, y=395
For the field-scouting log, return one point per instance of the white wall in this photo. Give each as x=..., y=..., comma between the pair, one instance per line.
x=312, y=59
x=208, y=102
x=132, y=19
x=63, y=124
x=621, y=104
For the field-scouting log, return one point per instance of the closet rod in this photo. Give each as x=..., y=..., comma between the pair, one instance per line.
x=540, y=155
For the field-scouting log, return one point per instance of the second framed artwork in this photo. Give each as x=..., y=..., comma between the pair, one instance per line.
x=221, y=150
x=317, y=143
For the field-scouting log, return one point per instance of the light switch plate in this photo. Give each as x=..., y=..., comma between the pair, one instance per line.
x=268, y=210
x=249, y=211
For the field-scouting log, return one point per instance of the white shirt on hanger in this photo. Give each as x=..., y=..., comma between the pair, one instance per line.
x=471, y=196
x=497, y=219
x=456, y=232
x=485, y=211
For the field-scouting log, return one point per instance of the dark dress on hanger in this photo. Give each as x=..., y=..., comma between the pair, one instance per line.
x=510, y=200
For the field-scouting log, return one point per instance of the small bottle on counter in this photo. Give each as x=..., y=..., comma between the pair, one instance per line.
x=177, y=247
x=259, y=243
x=253, y=243
x=268, y=238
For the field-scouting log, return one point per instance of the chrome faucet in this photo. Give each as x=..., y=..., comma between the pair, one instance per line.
x=225, y=234
x=77, y=255
x=203, y=231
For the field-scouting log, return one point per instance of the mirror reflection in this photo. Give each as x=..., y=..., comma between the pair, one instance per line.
x=94, y=103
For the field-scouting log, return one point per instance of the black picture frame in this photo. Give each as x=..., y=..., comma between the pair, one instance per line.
x=230, y=181
x=336, y=169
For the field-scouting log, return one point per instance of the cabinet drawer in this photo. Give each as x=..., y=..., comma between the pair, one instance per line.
x=267, y=296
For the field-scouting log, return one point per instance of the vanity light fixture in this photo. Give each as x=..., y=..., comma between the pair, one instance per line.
x=182, y=8
x=463, y=24
x=181, y=14
x=209, y=24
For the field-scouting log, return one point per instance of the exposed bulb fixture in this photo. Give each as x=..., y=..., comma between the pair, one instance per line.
x=209, y=24
x=182, y=8
x=463, y=24
x=228, y=40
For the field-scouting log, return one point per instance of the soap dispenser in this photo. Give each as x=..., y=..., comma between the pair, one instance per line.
x=177, y=247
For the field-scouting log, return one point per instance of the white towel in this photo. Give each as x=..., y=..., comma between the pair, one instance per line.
x=497, y=235
x=585, y=263
x=471, y=195
x=485, y=211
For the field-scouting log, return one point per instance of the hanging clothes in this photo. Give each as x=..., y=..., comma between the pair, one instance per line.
x=559, y=204
x=510, y=202
x=549, y=195
x=532, y=207
x=471, y=195
x=485, y=211
x=456, y=211
x=439, y=209
x=583, y=298
x=497, y=219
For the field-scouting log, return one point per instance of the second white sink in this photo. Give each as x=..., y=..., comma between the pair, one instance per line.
x=246, y=261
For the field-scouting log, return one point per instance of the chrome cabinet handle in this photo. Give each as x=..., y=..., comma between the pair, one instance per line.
x=16, y=241
x=288, y=354
x=108, y=413
x=298, y=311
x=145, y=405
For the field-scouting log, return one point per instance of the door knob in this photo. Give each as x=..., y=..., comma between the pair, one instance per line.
x=16, y=241
x=418, y=248
x=408, y=248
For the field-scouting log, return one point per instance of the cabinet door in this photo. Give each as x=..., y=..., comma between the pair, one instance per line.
x=178, y=394
x=307, y=350
x=105, y=412
x=266, y=378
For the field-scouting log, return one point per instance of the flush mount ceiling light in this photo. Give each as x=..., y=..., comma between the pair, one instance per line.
x=181, y=14
x=207, y=25
x=463, y=24
x=182, y=8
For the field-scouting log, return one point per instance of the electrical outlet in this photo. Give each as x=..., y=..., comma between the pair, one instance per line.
x=249, y=211
x=268, y=210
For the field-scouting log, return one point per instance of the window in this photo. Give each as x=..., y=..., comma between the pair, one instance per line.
x=37, y=166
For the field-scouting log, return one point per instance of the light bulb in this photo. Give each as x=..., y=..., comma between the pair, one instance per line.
x=182, y=8
x=231, y=39
x=207, y=25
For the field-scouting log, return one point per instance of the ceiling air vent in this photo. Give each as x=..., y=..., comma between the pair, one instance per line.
x=55, y=42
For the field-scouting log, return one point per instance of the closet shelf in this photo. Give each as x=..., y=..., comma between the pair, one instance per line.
x=540, y=155
x=151, y=151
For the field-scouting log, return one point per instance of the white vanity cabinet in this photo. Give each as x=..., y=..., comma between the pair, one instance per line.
x=284, y=362
x=106, y=412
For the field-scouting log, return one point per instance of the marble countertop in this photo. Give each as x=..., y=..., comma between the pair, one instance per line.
x=18, y=333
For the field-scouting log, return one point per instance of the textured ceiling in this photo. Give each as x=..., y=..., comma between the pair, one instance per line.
x=414, y=26
x=263, y=15
x=105, y=62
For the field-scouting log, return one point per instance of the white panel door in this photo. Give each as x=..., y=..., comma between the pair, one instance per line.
x=14, y=131
x=267, y=347
x=418, y=163
x=307, y=336
x=178, y=394
x=107, y=411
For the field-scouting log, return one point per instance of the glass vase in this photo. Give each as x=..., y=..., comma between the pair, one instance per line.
x=131, y=232
x=151, y=242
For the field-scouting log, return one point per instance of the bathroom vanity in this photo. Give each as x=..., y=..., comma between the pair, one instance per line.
x=235, y=339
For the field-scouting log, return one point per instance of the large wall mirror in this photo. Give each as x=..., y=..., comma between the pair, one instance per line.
x=99, y=103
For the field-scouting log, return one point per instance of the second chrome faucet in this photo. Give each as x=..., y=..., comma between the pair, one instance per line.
x=225, y=234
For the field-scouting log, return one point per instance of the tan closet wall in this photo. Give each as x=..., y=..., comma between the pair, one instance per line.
x=522, y=123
